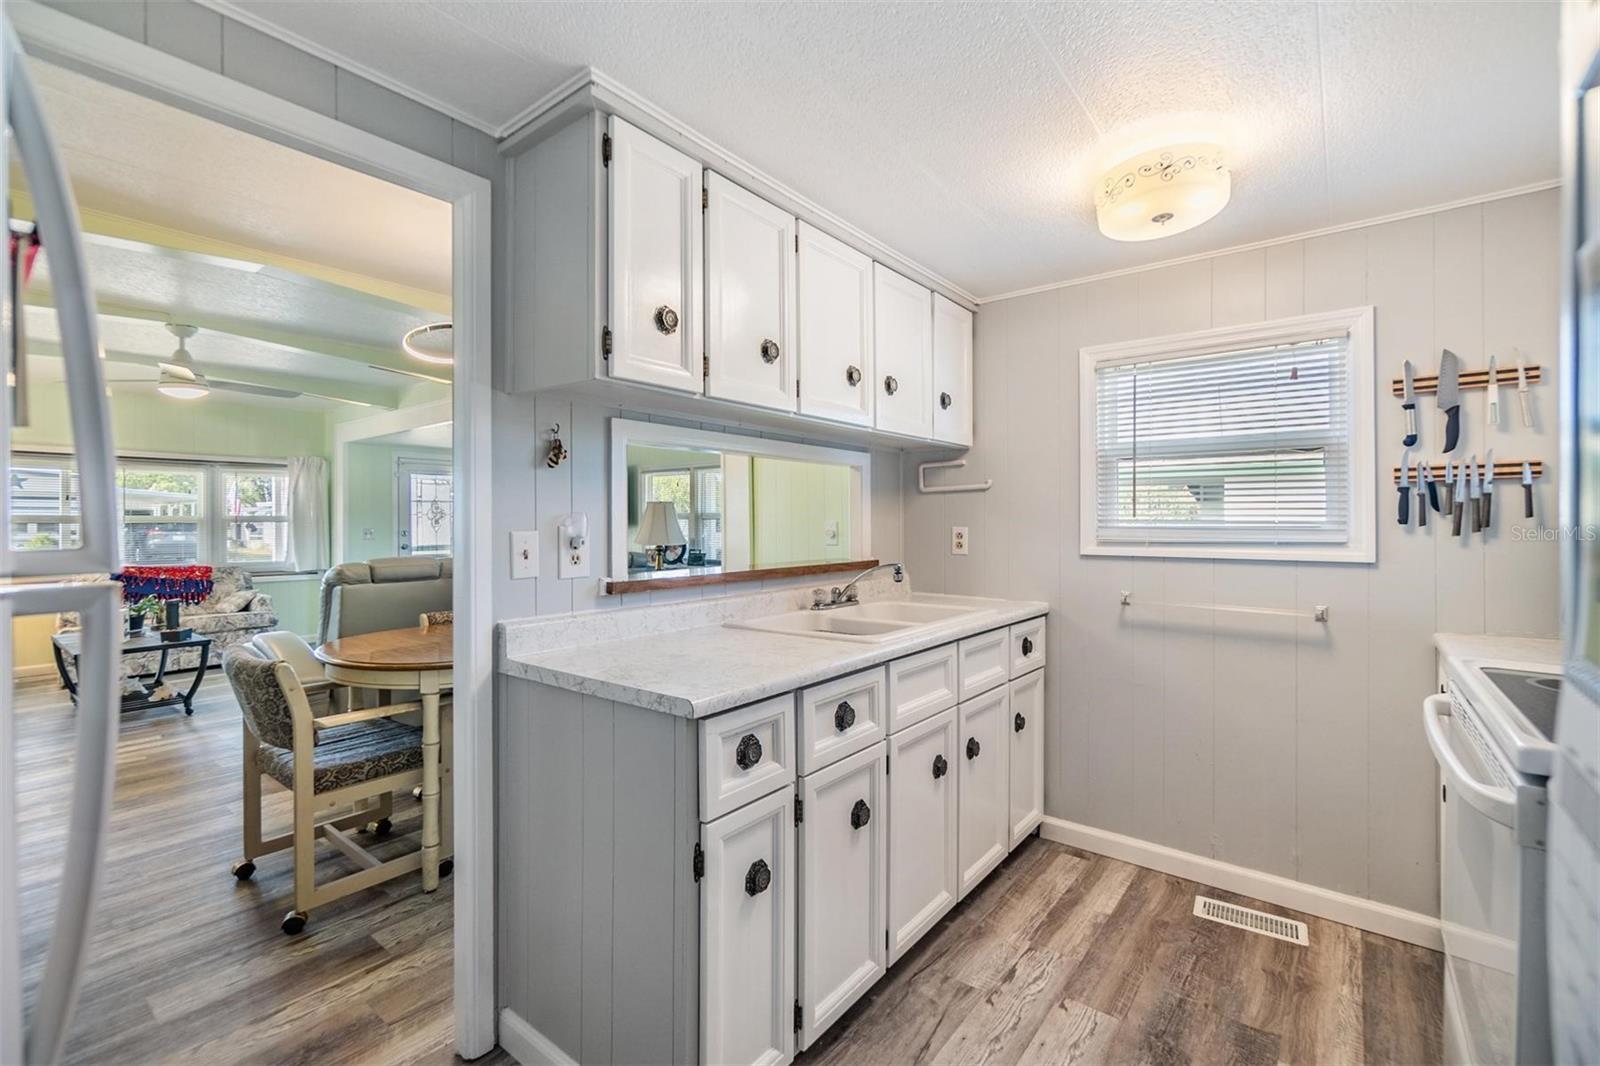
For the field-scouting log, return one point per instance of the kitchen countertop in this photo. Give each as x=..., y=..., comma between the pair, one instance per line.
x=701, y=671
x=1533, y=651
x=1465, y=656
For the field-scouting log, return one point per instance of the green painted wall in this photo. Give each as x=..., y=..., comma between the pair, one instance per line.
x=793, y=503
x=370, y=501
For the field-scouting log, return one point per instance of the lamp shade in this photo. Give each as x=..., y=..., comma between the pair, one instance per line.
x=658, y=526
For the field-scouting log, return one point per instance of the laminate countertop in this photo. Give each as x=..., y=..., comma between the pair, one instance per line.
x=700, y=671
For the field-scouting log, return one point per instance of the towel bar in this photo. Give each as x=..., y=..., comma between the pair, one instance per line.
x=924, y=487
x=1318, y=613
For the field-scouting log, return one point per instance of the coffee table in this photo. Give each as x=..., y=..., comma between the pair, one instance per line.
x=67, y=646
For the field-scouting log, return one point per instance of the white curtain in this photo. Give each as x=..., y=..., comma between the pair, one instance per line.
x=308, y=512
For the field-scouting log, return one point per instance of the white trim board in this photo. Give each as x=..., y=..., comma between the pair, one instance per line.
x=99, y=52
x=527, y=1045
x=1370, y=915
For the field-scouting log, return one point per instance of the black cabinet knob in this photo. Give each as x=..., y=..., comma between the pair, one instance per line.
x=758, y=878
x=1027, y=645
x=860, y=814
x=748, y=753
x=844, y=716
x=940, y=767
x=945, y=400
x=1019, y=722
x=666, y=319
x=973, y=747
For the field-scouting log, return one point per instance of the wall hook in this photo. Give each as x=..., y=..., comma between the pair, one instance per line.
x=558, y=451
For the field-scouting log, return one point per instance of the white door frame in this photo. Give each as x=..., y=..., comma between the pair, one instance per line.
x=61, y=38
x=381, y=424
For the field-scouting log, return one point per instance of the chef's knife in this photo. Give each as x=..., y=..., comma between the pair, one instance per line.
x=1527, y=490
x=1494, y=396
x=1423, y=484
x=1522, y=390
x=1458, y=498
x=1488, y=490
x=1433, y=485
x=1475, y=495
x=1409, y=403
x=1450, y=397
x=1404, y=513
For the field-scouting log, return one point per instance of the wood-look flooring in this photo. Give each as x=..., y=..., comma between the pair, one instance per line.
x=1067, y=957
x=187, y=965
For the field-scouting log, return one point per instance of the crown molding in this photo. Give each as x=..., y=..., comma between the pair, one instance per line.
x=1343, y=227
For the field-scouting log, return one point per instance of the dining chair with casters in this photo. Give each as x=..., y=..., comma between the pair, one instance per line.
x=330, y=763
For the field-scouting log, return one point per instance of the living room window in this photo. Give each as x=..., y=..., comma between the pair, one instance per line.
x=172, y=511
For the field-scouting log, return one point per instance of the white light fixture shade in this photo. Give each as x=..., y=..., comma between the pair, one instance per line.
x=1162, y=192
x=658, y=526
x=184, y=391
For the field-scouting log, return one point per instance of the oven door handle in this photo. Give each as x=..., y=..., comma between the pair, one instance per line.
x=1495, y=802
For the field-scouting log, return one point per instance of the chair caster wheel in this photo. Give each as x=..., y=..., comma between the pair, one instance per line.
x=381, y=828
x=293, y=922
x=244, y=869
x=188, y=712
x=445, y=866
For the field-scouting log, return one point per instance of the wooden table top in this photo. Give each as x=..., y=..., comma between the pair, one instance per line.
x=392, y=649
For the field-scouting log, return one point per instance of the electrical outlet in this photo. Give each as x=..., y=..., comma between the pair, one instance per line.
x=368, y=533
x=958, y=540
x=524, y=553
x=572, y=546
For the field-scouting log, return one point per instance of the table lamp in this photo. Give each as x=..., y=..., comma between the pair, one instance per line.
x=658, y=531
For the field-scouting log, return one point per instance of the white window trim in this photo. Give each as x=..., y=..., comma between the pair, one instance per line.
x=1357, y=322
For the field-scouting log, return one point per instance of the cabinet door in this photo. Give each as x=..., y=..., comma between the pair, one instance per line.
x=844, y=888
x=1027, y=756
x=836, y=366
x=922, y=829
x=747, y=914
x=952, y=372
x=902, y=314
x=656, y=261
x=750, y=297
x=984, y=785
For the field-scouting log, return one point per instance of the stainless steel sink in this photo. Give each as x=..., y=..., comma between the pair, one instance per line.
x=869, y=623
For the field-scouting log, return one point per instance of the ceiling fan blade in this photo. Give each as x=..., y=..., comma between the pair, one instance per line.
x=253, y=390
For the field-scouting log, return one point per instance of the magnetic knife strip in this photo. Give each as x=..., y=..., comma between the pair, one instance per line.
x=1470, y=379
x=1504, y=470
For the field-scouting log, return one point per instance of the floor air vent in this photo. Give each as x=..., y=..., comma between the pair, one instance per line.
x=1252, y=921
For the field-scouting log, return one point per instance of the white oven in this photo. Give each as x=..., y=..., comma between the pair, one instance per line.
x=1491, y=889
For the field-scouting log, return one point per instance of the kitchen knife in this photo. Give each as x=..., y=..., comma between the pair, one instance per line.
x=1458, y=498
x=1475, y=495
x=1433, y=486
x=1522, y=390
x=1423, y=484
x=1404, y=486
x=1409, y=403
x=1527, y=490
x=1450, y=397
x=1448, y=490
x=1494, y=396
x=1488, y=490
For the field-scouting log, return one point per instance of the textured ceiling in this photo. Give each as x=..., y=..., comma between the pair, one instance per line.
x=967, y=136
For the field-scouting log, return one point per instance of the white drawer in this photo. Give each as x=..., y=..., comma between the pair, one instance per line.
x=1027, y=646
x=841, y=717
x=985, y=662
x=921, y=685
x=745, y=754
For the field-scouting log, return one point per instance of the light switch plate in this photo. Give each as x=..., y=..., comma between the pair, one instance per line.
x=830, y=534
x=958, y=540
x=524, y=553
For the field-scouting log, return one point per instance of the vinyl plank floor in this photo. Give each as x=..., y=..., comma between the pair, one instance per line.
x=1068, y=957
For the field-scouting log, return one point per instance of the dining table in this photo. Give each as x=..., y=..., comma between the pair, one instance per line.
x=419, y=659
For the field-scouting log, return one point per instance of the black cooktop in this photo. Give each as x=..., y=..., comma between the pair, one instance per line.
x=1534, y=694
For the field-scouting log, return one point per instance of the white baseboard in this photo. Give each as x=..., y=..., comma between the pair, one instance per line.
x=23, y=673
x=527, y=1045
x=1374, y=917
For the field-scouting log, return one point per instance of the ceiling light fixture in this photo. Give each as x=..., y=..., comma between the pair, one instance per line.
x=441, y=356
x=180, y=379
x=1158, y=193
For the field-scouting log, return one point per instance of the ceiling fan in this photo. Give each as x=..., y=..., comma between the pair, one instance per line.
x=180, y=378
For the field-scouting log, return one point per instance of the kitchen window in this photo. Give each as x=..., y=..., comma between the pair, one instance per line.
x=172, y=512
x=696, y=497
x=1251, y=442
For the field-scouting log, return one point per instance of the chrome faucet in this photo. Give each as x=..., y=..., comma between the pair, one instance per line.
x=844, y=597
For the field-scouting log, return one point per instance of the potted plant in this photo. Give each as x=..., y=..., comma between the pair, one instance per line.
x=150, y=607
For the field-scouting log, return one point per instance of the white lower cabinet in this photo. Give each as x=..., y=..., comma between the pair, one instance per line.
x=922, y=828
x=1027, y=755
x=747, y=940
x=844, y=887
x=983, y=785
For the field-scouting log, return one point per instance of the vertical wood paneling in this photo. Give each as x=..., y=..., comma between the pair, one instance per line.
x=598, y=815
x=1282, y=745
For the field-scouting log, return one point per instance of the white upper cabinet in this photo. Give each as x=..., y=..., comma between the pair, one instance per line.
x=952, y=372
x=836, y=326
x=903, y=345
x=656, y=261
x=750, y=297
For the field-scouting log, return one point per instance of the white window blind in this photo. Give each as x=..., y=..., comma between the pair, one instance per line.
x=1253, y=447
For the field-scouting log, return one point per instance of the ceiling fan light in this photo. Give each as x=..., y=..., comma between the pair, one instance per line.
x=408, y=344
x=183, y=390
x=1162, y=192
